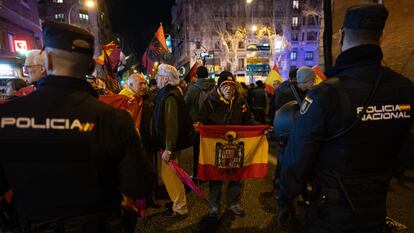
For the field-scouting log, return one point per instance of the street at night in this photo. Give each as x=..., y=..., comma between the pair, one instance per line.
x=209, y=116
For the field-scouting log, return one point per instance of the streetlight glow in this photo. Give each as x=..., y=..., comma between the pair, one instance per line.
x=90, y=4
x=254, y=28
x=249, y=1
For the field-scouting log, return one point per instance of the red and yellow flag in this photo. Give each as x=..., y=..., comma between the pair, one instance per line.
x=274, y=75
x=133, y=105
x=156, y=48
x=233, y=152
x=320, y=76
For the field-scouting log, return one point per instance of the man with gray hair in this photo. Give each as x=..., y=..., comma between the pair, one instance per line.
x=35, y=65
x=305, y=78
x=174, y=131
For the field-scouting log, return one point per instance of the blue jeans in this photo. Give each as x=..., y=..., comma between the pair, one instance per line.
x=233, y=193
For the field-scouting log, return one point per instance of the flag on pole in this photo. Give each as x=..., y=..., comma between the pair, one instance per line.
x=274, y=75
x=156, y=48
x=233, y=152
x=184, y=70
x=320, y=76
x=192, y=72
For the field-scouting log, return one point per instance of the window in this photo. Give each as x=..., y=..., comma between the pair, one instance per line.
x=295, y=4
x=241, y=45
x=57, y=1
x=295, y=36
x=60, y=17
x=241, y=63
x=10, y=38
x=312, y=20
x=308, y=55
x=311, y=36
x=293, y=55
x=84, y=16
x=295, y=21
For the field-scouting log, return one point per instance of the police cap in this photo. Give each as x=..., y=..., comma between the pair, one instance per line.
x=367, y=16
x=67, y=37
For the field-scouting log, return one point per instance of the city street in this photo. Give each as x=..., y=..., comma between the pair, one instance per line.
x=258, y=201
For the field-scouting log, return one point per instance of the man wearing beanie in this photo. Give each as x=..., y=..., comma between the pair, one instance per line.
x=224, y=107
x=352, y=135
x=174, y=132
x=194, y=99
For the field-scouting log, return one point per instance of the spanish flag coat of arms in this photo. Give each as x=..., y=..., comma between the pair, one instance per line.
x=233, y=152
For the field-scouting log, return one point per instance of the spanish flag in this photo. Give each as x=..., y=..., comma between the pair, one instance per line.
x=320, y=76
x=274, y=75
x=233, y=152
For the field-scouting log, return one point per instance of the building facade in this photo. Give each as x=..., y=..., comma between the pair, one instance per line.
x=397, y=42
x=247, y=38
x=20, y=28
x=84, y=14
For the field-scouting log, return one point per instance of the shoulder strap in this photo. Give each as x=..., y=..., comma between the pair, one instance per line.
x=362, y=113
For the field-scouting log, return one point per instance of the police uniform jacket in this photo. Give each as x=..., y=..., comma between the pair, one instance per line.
x=65, y=153
x=363, y=159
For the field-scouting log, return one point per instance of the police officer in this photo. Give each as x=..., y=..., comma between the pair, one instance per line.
x=67, y=156
x=350, y=133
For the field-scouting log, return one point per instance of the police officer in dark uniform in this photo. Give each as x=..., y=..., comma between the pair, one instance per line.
x=66, y=156
x=350, y=133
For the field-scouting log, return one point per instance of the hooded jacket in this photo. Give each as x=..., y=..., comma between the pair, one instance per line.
x=193, y=94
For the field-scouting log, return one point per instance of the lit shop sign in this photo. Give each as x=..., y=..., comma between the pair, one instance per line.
x=20, y=46
x=6, y=71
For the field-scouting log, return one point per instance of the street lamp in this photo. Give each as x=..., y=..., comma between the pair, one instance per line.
x=249, y=1
x=88, y=3
x=254, y=28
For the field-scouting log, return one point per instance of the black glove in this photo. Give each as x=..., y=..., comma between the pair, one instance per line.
x=286, y=215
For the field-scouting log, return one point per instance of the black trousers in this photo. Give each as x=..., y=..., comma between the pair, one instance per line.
x=325, y=217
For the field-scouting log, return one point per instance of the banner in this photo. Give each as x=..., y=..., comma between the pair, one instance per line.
x=233, y=152
x=320, y=76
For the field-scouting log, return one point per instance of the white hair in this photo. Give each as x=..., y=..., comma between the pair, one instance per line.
x=35, y=57
x=169, y=71
x=133, y=77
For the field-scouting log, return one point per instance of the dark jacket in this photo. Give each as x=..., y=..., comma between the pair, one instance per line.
x=147, y=129
x=216, y=112
x=258, y=98
x=363, y=159
x=193, y=94
x=65, y=153
x=179, y=133
x=283, y=94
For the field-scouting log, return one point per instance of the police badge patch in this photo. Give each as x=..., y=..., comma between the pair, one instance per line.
x=306, y=104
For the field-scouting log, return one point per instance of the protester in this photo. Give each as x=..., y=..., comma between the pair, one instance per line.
x=194, y=99
x=174, y=132
x=13, y=86
x=35, y=65
x=83, y=154
x=259, y=102
x=223, y=107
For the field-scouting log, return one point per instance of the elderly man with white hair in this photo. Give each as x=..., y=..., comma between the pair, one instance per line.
x=35, y=65
x=174, y=131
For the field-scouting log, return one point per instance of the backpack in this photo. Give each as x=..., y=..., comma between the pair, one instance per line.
x=202, y=96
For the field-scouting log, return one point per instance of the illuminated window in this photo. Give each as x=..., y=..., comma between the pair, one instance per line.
x=293, y=55
x=295, y=21
x=308, y=55
x=295, y=4
x=84, y=16
x=60, y=17
x=57, y=1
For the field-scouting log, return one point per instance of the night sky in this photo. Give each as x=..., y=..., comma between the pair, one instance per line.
x=137, y=20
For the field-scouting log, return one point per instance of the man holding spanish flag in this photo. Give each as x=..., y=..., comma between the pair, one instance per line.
x=222, y=107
